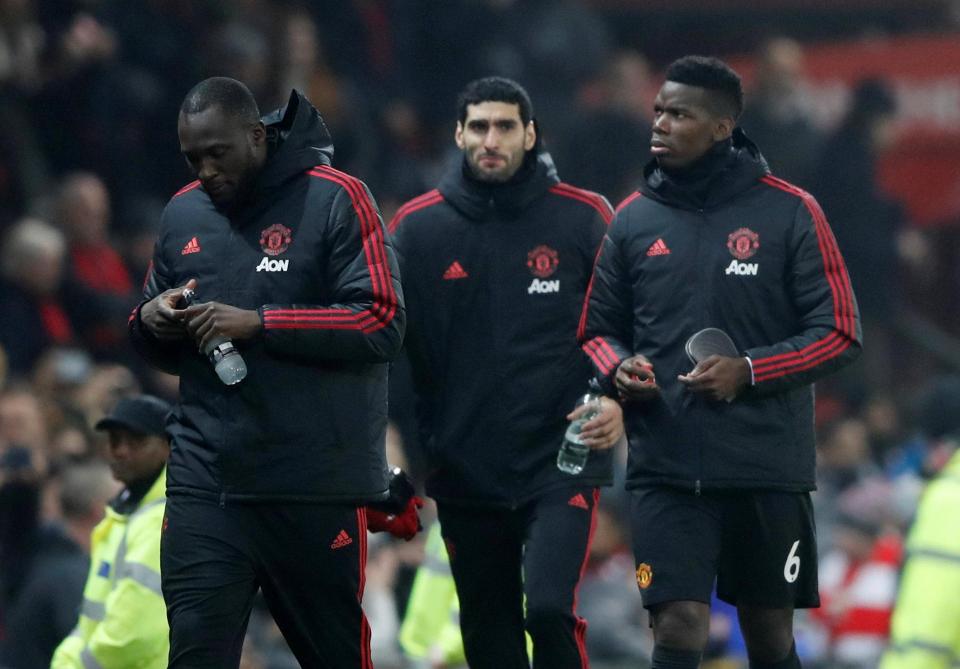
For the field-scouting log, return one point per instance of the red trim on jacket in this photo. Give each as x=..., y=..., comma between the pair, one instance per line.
x=420, y=202
x=601, y=354
x=582, y=325
x=840, y=339
x=630, y=198
x=594, y=200
x=186, y=189
x=384, y=297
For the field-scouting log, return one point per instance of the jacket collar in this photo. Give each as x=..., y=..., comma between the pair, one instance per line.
x=139, y=494
x=479, y=200
x=729, y=168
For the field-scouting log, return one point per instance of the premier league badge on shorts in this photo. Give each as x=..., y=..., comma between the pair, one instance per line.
x=644, y=576
x=275, y=239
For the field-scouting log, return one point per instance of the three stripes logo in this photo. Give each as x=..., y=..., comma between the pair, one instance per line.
x=193, y=246
x=343, y=539
x=658, y=248
x=455, y=271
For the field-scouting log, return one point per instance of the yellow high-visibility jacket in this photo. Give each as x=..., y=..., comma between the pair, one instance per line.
x=431, y=626
x=925, y=632
x=123, y=620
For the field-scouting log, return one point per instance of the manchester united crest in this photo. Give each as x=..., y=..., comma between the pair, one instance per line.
x=542, y=261
x=743, y=243
x=644, y=576
x=275, y=239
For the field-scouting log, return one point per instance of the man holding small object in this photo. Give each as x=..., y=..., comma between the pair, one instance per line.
x=271, y=469
x=720, y=428
x=499, y=257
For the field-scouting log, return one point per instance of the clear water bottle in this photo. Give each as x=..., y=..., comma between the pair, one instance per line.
x=573, y=454
x=223, y=355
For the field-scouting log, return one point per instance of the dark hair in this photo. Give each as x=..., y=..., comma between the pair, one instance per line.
x=494, y=89
x=230, y=95
x=714, y=75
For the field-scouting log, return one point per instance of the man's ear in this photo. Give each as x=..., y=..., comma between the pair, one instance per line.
x=723, y=128
x=529, y=135
x=258, y=134
x=458, y=135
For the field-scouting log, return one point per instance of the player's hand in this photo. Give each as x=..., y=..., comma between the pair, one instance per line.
x=210, y=321
x=718, y=377
x=604, y=430
x=403, y=525
x=635, y=379
x=161, y=316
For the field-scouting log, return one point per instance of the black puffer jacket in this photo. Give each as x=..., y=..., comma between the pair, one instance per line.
x=494, y=281
x=310, y=254
x=734, y=248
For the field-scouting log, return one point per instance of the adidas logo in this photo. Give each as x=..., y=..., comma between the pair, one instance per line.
x=658, y=248
x=578, y=501
x=343, y=539
x=455, y=271
x=193, y=246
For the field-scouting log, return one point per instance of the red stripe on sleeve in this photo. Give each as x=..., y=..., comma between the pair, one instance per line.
x=582, y=325
x=427, y=199
x=186, y=189
x=374, y=251
x=843, y=312
x=600, y=357
x=384, y=297
x=585, y=196
x=630, y=198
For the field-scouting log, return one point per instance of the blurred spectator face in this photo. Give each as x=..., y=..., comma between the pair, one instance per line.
x=302, y=48
x=854, y=542
x=883, y=132
x=84, y=209
x=846, y=446
x=494, y=140
x=33, y=255
x=223, y=151
x=780, y=67
x=629, y=79
x=684, y=127
x=134, y=457
x=103, y=389
x=21, y=421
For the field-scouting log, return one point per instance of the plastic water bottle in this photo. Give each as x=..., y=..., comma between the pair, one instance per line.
x=223, y=355
x=573, y=454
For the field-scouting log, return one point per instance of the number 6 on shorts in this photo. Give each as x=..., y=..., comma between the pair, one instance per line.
x=791, y=569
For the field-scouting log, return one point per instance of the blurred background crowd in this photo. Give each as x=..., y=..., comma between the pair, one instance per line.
x=858, y=102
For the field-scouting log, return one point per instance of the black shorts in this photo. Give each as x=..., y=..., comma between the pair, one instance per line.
x=760, y=546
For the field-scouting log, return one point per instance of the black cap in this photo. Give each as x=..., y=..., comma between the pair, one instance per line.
x=143, y=414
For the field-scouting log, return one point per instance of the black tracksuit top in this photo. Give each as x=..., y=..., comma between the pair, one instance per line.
x=494, y=280
x=735, y=248
x=310, y=253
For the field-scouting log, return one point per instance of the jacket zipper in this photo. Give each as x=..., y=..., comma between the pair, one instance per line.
x=701, y=310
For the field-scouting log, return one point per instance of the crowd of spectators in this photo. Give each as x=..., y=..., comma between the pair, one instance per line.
x=89, y=91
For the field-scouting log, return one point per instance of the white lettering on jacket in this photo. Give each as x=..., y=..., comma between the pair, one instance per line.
x=742, y=268
x=544, y=286
x=273, y=265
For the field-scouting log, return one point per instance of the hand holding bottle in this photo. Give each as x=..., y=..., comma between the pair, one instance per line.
x=214, y=326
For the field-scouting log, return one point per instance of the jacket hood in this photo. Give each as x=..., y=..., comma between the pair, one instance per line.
x=728, y=169
x=298, y=139
x=477, y=199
